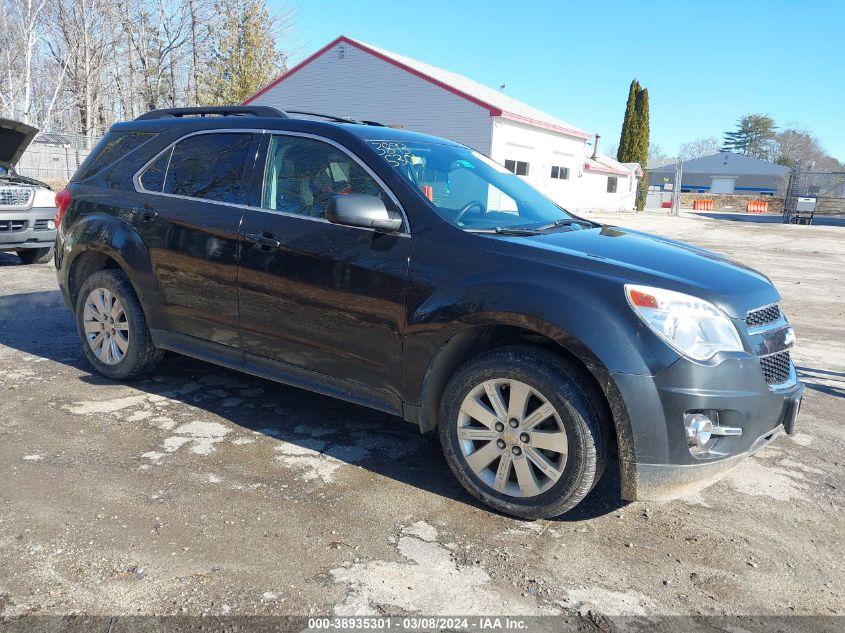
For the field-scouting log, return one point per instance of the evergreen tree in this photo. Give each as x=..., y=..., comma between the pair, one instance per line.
x=641, y=145
x=633, y=142
x=623, y=153
x=245, y=57
x=754, y=136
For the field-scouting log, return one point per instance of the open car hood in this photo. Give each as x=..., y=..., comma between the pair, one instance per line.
x=15, y=137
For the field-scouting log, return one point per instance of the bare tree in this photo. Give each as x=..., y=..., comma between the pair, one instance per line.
x=700, y=147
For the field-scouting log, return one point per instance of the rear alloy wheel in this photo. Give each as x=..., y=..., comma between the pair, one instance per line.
x=520, y=429
x=106, y=326
x=36, y=255
x=112, y=327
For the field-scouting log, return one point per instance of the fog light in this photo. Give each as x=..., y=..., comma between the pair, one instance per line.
x=699, y=429
x=51, y=225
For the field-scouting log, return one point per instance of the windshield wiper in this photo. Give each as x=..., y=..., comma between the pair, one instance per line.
x=569, y=222
x=513, y=230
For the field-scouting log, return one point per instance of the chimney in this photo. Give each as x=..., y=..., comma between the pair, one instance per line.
x=596, y=146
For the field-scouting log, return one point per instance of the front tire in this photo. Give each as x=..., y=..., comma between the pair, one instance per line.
x=36, y=255
x=112, y=327
x=522, y=432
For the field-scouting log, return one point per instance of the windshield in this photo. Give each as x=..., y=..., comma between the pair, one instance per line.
x=470, y=190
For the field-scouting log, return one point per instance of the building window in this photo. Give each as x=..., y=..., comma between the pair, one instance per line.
x=518, y=167
x=561, y=173
x=611, y=184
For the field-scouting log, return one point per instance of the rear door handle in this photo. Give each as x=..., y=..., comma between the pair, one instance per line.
x=264, y=241
x=145, y=213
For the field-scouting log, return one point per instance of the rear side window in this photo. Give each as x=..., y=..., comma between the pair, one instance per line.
x=208, y=166
x=113, y=146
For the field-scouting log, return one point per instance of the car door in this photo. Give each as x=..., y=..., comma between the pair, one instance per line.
x=189, y=219
x=319, y=296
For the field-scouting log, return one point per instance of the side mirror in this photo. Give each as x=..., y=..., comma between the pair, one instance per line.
x=361, y=209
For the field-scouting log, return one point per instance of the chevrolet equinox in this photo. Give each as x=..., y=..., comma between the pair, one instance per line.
x=416, y=276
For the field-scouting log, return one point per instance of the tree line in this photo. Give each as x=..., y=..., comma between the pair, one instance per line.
x=81, y=65
x=757, y=136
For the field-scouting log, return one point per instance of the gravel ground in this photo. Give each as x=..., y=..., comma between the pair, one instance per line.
x=203, y=491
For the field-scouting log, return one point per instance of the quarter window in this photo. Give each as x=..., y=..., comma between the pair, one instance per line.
x=207, y=166
x=304, y=174
x=611, y=184
x=518, y=167
x=153, y=178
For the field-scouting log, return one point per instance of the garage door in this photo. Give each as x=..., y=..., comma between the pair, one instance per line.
x=722, y=185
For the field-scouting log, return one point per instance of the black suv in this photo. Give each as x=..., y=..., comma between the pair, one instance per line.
x=416, y=276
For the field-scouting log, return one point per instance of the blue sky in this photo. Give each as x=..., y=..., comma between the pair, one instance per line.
x=705, y=63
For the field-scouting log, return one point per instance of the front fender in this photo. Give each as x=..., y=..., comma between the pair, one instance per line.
x=116, y=238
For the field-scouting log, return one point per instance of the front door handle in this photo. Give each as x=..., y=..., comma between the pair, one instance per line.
x=264, y=241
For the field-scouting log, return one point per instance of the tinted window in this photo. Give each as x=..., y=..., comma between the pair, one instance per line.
x=153, y=178
x=209, y=166
x=303, y=174
x=611, y=184
x=112, y=147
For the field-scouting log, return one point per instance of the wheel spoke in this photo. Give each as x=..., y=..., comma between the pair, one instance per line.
x=471, y=433
x=542, y=462
x=538, y=415
x=518, y=399
x=525, y=477
x=104, y=350
x=481, y=458
x=495, y=397
x=92, y=327
x=474, y=408
x=116, y=310
x=122, y=343
x=549, y=440
x=91, y=312
x=123, y=326
x=503, y=472
x=114, y=352
x=100, y=302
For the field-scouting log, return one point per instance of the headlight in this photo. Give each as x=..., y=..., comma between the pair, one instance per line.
x=694, y=327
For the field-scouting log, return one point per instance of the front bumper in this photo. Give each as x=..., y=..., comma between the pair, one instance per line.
x=660, y=465
x=26, y=229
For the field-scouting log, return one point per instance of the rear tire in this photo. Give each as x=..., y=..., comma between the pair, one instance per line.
x=36, y=255
x=112, y=327
x=536, y=453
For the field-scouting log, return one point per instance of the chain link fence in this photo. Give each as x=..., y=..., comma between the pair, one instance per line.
x=55, y=156
x=814, y=193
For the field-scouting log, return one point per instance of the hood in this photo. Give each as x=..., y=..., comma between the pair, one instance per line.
x=632, y=256
x=15, y=137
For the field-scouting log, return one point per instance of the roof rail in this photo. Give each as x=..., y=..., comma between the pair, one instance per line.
x=256, y=111
x=331, y=117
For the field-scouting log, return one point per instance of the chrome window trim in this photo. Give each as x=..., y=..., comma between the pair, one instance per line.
x=406, y=225
x=139, y=187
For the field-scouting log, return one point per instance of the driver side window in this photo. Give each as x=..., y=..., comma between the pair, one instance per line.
x=303, y=174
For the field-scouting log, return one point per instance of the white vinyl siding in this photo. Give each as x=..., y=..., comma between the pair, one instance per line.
x=363, y=86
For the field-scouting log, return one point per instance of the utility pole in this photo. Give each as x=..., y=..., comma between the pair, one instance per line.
x=676, y=195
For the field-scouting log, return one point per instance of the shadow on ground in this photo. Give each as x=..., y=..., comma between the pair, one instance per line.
x=39, y=324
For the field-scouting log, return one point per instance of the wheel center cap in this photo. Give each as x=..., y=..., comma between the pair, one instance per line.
x=511, y=437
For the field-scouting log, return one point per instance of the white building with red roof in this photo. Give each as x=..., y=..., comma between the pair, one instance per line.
x=357, y=80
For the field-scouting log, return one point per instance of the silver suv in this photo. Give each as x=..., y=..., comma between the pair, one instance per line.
x=27, y=206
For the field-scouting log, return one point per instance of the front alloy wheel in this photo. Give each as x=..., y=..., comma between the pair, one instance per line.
x=523, y=431
x=512, y=437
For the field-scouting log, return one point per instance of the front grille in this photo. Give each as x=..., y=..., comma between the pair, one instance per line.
x=763, y=316
x=15, y=196
x=41, y=225
x=12, y=226
x=776, y=368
